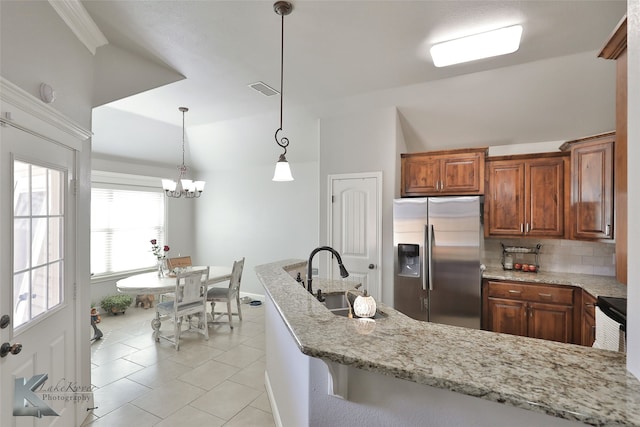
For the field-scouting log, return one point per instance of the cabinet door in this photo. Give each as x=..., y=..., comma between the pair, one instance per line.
x=507, y=316
x=420, y=175
x=462, y=174
x=506, y=207
x=592, y=191
x=544, y=201
x=550, y=322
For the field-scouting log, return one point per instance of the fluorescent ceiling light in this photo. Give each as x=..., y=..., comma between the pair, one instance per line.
x=484, y=45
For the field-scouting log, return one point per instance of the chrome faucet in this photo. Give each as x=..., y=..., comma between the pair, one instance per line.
x=343, y=271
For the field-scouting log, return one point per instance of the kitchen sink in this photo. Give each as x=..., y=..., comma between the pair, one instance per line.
x=337, y=304
x=335, y=301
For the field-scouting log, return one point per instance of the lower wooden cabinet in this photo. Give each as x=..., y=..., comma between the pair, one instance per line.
x=529, y=309
x=588, y=315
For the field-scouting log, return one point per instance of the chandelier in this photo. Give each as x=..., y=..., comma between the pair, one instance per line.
x=283, y=171
x=183, y=187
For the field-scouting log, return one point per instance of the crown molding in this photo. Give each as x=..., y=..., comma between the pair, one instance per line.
x=24, y=111
x=78, y=19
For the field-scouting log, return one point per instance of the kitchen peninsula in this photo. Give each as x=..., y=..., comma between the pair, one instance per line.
x=324, y=370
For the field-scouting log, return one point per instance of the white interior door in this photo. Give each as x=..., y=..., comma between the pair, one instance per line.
x=38, y=385
x=355, y=227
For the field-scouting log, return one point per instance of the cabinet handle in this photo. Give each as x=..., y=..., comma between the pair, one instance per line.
x=544, y=295
x=592, y=304
x=521, y=227
x=527, y=227
x=608, y=229
x=513, y=291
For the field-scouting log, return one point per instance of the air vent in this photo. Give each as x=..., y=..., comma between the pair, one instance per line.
x=263, y=88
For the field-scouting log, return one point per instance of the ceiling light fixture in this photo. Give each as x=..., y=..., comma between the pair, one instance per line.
x=183, y=187
x=283, y=171
x=484, y=45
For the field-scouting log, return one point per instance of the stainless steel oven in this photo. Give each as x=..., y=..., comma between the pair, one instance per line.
x=615, y=310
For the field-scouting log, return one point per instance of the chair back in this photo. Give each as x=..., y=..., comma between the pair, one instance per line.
x=179, y=262
x=236, y=276
x=189, y=288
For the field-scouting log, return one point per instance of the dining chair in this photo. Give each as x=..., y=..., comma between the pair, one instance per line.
x=172, y=264
x=178, y=262
x=190, y=301
x=220, y=294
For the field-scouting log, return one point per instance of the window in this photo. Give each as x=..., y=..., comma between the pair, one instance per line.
x=124, y=218
x=38, y=228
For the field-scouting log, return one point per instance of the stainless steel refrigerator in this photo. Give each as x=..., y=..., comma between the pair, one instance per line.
x=436, y=242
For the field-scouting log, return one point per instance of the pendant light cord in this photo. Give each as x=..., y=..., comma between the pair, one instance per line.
x=281, y=67
x=284, y=142
x=183, y=138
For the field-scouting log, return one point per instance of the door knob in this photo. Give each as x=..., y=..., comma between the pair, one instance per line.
x=372, y=266
x=4, y=321
x=7, y=348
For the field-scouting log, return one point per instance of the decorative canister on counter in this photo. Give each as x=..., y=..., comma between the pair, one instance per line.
x=508, y=262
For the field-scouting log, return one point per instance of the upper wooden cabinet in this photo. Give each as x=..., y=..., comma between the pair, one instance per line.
x=591, y=186
x=439, y=173
x=525, y=195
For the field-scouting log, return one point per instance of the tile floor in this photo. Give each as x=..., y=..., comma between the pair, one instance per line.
x=219, y=382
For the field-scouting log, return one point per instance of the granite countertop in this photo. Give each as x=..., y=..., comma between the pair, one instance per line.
x=595, y=285
x=563, y=380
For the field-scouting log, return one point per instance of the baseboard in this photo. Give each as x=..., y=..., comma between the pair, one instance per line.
x=272, y=400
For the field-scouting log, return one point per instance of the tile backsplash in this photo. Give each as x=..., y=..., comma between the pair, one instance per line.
x=561, y=256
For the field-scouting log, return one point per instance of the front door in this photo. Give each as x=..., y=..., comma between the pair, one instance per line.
x=37, y=219
x=355, y=226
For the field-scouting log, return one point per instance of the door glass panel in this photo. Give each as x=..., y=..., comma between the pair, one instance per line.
x=38, y=241
x=38, y=224
x=55, y=238
x=55, y=193
x=21, y=233
x=38, y=190
x=38, y=291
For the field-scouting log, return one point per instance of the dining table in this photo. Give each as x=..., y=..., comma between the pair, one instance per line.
x=152, y=283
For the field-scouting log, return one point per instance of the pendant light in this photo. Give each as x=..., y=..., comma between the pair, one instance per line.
x=283, y=171
x=183, y=187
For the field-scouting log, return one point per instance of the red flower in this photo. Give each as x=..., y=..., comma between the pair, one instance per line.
x=159, y=251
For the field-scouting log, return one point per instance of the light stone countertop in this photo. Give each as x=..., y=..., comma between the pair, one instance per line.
x=595, y=285
x=563, y=380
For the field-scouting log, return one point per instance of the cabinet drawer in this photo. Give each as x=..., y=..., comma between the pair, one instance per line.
x=530, y=292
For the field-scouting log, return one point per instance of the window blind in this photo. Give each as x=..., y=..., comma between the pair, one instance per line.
x=123, y=221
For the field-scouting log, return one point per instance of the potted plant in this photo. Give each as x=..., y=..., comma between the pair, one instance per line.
x=115, y=304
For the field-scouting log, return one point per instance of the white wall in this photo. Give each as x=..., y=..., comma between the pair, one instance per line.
x=242, y=212
x=36, y=47
x=633, y=147
x=362, y=142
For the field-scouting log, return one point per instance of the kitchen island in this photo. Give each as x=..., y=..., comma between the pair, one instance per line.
x=403, y=371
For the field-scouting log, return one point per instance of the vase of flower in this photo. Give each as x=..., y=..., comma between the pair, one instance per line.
x=161, y=267
x=161, y=256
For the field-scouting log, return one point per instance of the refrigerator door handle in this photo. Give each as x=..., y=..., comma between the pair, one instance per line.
x=430, y=237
